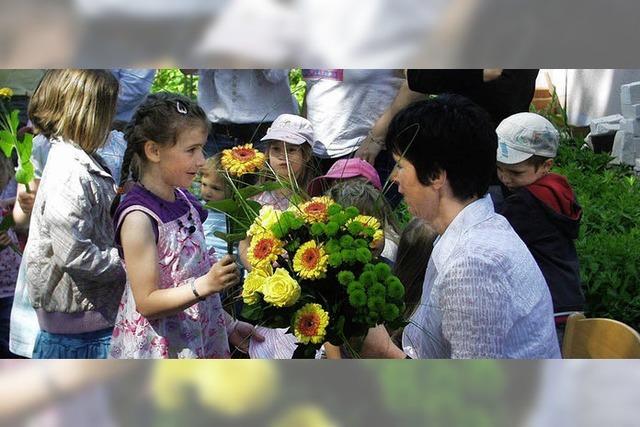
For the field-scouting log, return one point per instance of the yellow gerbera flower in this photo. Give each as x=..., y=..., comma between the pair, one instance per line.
x=315, y=210
x=370, y=221
x=6, y=92
x=310, y=323
x=264, y=250
x=310, y=261
x=242, y=159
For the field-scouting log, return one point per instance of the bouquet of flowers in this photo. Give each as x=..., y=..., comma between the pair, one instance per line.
x=314, y=272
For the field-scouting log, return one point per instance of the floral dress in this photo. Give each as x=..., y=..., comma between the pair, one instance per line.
x=197, y=332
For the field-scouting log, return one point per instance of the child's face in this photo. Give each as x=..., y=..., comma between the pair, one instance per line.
x=284, y=157
x=522, y=174
x=181, y=162
x=212, y=188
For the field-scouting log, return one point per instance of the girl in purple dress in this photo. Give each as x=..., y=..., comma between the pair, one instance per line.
x=171, y=305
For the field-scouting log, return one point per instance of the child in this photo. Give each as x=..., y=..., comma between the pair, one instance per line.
x=344, y=169
x=414, y=250
x=212, y=188
x=170, y=307
x=9, y=259
x=542, y=208
x=74, y=275
x=289, y=152
x=290, y=157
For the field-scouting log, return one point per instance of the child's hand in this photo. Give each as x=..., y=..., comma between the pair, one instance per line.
x=223, y=274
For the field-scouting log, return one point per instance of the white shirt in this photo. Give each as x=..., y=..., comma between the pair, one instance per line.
x=245, y=96
x=483, y=295
x=343, y=106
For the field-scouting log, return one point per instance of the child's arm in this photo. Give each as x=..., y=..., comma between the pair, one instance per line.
x=67, y=213
x=141, y=255
x=24, y=204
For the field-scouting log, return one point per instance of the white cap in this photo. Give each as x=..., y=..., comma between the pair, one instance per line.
x=291, y=129
x=524, y=135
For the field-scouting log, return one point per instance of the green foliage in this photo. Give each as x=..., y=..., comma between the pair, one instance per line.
x=298, y=85
x=173, y=80
x=609, y=242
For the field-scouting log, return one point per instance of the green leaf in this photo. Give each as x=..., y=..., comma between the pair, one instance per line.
x=254, y=190
x=252, y=312
x=7, y=223
x=6, y=142
x=230, y=237
x=225, y=206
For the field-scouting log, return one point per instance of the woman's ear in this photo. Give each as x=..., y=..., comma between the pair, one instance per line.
x=439, y=180
x=152, y=151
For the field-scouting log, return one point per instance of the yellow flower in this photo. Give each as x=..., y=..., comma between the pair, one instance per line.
x=253, y=284
x=281, y=290
x=315, y=210
x=242, y=159
x=369, y=221
x=310, y=323
x=264, y=250
x=310, y=261
x=267, y=217
x=6, y=92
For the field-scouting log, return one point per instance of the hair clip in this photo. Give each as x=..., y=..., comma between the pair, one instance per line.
x=181, y=108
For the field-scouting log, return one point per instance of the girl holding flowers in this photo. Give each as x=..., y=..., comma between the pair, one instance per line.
x=171, y=305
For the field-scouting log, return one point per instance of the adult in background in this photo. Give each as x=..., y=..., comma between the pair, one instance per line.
x=135, y=84
x=343, y=106
x=501, y=93
x=483, y=295
x=242, y=104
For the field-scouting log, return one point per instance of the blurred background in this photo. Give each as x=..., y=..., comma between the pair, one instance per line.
x=372, y=34
x=308, y=393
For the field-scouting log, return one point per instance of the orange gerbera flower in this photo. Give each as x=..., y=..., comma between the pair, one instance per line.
x=315, y=210
x=310, y=261
x=264, y=250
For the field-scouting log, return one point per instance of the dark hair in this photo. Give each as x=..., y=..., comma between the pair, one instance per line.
x=447, y=133
x=160, y=118
x=414, y=251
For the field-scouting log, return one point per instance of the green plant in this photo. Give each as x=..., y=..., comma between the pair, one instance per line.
x=607, y=247
x=298, y=85
x=174, y=80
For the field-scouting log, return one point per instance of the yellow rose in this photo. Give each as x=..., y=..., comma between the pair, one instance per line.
x=252, y=285
x=281, y=290
x=267, y=217
x=7, y=92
